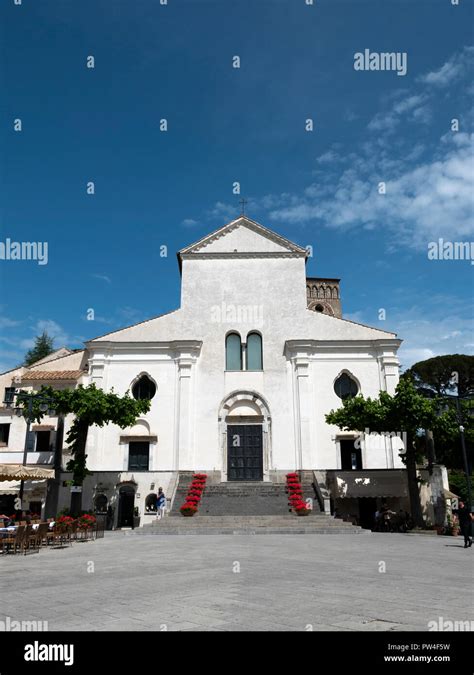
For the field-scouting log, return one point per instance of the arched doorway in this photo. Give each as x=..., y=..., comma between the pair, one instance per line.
x=126, y=506
x=244, y=423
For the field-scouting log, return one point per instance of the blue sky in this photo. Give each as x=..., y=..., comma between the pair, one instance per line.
x=156, y=188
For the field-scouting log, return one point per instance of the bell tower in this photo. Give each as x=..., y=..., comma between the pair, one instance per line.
x=322, y=295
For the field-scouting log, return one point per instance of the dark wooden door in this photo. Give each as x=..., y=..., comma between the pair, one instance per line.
x=126, y=508
x=244, y=452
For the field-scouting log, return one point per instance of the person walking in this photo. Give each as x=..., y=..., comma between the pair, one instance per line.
x=160, y=504
x=465, y=522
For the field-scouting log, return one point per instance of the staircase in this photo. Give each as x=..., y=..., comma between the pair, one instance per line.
x=316, y=523
x=245, y=508
x=239, y=499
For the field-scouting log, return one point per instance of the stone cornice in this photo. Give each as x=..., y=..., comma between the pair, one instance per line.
x=236, y=255
x=309, y=347
x=250, y=224
x=177, y=346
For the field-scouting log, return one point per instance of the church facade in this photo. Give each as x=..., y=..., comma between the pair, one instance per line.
x=240, y=377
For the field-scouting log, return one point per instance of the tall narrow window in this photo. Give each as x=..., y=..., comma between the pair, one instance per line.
x=42, y=441
x=138, y=456
x=233, y=352
x=254, y=352
x=4, y=433
x=9, y=395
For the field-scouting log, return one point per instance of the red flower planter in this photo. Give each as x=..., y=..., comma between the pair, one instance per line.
x=195, y=490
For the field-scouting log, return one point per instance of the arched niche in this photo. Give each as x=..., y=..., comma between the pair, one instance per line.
x=246, y=407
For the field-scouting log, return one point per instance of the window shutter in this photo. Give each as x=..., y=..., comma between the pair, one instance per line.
x=233, y=352
x=254, y=352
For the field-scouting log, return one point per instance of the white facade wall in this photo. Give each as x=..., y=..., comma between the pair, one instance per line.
x=239, y=289
x=243, y=279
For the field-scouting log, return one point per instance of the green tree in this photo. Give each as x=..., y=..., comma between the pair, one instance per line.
x=448, y=374
x=42, y=347
x=406, y=411
x=90, y=406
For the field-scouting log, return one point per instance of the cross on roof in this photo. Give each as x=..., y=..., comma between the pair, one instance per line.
x=243, y=202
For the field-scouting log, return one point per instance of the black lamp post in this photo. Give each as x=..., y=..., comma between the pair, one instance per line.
x=27, y=412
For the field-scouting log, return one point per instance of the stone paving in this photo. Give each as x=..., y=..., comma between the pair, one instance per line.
x=216, y=583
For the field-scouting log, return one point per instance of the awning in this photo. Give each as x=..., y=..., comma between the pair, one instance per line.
x=450, y=495
x=368, y=483
x=9, y=491
x=19, y=472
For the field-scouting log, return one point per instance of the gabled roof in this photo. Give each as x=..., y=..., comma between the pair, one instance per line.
x=283, y=244
x=35, y=375
x=99, y=338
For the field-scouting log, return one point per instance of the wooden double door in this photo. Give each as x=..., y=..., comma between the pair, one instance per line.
x=244, y=452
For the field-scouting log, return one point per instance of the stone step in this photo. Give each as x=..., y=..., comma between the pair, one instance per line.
x=245, y=530
x=291, y=521
x=296, y=525
x=280, y=523
x=239, y=498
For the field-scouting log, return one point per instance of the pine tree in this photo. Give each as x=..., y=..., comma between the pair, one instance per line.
x=43, y=347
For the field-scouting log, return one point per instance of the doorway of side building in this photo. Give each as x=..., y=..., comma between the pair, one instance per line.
x=126, y=506
x=351, y=457
x=367, y=509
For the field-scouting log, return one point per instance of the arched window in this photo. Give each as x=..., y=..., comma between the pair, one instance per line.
x=101, y=504
x=143, y=388
x=345, y=386
x=150, y=503
x=233, y=352
x=319, y=308
x=254, y=352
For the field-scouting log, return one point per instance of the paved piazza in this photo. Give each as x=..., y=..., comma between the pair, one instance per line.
x=329, y=582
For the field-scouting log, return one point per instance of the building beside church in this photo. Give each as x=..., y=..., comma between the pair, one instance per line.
x=240, y=379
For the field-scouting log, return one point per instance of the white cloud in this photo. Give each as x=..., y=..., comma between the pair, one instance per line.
x=102, y=277
x=327, y=157
x=428, y=332
x=5, y=322
x=455, y=67
x=53, y=329
x=429, y=200
x=413, y=107
x=226, y=211
x=189, y=222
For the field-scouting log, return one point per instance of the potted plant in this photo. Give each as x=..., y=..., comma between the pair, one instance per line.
x=301, y=508
x=452, y=527
x=455, y=527
x=63, y=522
x=188, y=509
x=136, y=517
x=86, y=521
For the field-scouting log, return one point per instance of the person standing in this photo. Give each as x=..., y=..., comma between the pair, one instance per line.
x=465, y=522
x=160, y=504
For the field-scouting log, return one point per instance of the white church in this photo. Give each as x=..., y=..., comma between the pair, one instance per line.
x=256, y=351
